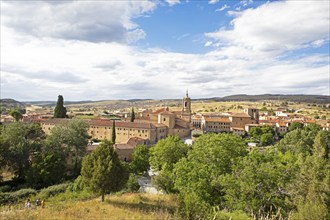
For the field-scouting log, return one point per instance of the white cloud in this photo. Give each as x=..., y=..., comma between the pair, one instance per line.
x=38, y=67
x=245, y=3
x=208, y=43
x=172, y=2
x=213, y=1
x=265, y=29
x=224, y=7
x=99, y=21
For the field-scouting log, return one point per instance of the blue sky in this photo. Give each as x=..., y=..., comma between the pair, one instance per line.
x=100, y=50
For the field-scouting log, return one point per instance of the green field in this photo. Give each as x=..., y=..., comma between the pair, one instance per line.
x=125, y=206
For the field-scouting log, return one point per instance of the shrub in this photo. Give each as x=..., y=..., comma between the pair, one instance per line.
x=77, y=186
x=54, y=190
x=11, y=197
x=132, y=184
x=5, y=188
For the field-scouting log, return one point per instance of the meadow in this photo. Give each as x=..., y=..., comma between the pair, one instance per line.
x=116, y=206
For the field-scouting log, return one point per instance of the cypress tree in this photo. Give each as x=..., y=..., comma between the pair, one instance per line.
x=132, y=115
x=113, y=136
x=60, y=110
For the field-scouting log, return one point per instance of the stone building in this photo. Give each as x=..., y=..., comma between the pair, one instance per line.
x=151, y=127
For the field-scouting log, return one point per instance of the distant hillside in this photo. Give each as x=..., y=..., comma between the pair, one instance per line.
x=322, y=99
x=7, y=104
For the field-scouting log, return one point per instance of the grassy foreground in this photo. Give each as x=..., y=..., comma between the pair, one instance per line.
x=125, y=206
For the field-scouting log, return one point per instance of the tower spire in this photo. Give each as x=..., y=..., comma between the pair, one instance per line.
x=187, y=93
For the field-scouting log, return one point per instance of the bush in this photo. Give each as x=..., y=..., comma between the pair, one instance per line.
x=77, y=186
x=5, y=188
x=54, y=190
x=132, y=184
x=16, y=196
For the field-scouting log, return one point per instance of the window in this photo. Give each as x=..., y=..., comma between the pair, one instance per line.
x=164, y=119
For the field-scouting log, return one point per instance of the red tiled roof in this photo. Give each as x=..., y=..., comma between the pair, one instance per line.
x=240, y=115
x=216, y=119
x=159, y=125
x=159, y=111
x=179, y=127
x=105, y=122
x=126, y=124
x=166, y=113
x=123, y=147
x=133, y=141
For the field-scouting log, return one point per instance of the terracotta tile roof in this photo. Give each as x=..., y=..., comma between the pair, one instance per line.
x=123, y=147
x=166, y=113
x=105, y=122
x=179, y=127
x=133, y=141
x=159, y=111
x=240, y=115
x=216, y=119
x=159, y=125
x=281, y=124
x=126, y=124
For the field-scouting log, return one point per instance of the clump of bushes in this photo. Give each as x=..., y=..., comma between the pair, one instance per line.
x=11, y=197
x=5, y=188
x=53, y=190
x=132, y=184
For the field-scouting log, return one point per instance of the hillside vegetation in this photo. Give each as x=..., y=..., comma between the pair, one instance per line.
x=125, y=206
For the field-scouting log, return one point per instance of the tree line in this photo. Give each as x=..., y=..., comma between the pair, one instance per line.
x=214, y=176
x=218, y=174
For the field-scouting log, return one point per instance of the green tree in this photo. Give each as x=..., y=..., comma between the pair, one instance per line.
x=103, y=172
x=60, y=110
x=298, y=141
x=266, y=129
x=15, y=113
x=46, y=169
x=140, y=162
x=19, y=141
x=255, y=132
x=132, y=115
x=71, y=139
x=295, y=125
x=263, y=134
x=321, y=145
x=163, y=156
x=266, y=139
x=259, y=184
x=197, y=176
x=113, y=136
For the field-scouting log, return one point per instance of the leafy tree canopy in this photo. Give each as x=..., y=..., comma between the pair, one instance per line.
x=140, y=162
x=163, y=156
x=18, y=142
x=16, y=113
x=69, y=138
x=102, y=170
x=197, y=175
x=295, y=125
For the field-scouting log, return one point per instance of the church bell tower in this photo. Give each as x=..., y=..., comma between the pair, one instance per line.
x=186, y=104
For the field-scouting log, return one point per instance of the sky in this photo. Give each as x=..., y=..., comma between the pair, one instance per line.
x=104, y=50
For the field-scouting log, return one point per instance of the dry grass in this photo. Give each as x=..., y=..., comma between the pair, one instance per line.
x=126, y=206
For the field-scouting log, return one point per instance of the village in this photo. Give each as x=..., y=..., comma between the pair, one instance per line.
x=151, y=125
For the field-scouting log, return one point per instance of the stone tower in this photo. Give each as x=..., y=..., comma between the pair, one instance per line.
x=186, y=108
x=186, y=104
